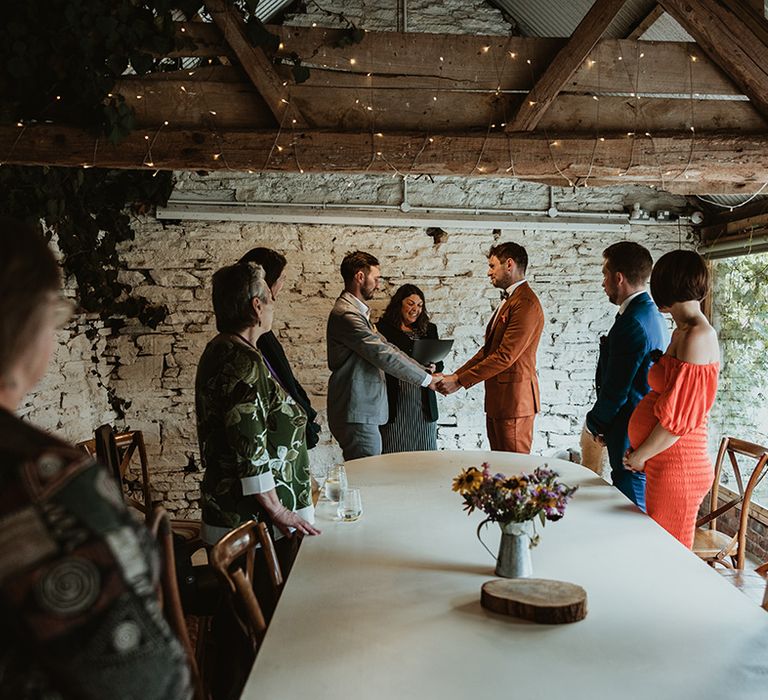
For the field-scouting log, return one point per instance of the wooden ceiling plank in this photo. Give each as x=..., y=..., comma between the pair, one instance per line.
x=731, y=42
x=738, y=162
x=398, y=60
x=228, y=102
x=565, y=64
x=646, y=22
x=254, y=61
x=582, y=114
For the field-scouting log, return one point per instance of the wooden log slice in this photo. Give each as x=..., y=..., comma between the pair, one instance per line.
x=536, y=599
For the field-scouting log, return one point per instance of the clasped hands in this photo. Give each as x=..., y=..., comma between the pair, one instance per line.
x=444, y=383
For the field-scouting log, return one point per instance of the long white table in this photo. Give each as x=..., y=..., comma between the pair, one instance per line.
x=389, y=606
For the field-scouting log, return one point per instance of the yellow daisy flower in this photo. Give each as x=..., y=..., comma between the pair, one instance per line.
x=469, y=480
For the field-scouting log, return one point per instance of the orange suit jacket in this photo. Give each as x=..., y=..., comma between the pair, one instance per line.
x=507, y=361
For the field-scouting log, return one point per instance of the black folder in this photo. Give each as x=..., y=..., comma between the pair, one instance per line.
x=427, y=351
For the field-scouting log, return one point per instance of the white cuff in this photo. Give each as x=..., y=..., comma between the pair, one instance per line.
x=261, y=483
x=426, y=381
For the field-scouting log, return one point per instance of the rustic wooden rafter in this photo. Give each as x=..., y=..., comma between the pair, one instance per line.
x=739, y=163
x=646, y=22
x=256, y=64
x=733, y=36
x=565, y=64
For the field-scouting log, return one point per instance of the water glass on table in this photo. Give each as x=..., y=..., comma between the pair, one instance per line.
x=336, y=482
x=319, y=472
x=350, y=505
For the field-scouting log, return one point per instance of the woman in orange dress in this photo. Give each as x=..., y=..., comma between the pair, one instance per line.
x=668, y=429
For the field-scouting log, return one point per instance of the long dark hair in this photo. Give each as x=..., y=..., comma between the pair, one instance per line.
x=392, y=314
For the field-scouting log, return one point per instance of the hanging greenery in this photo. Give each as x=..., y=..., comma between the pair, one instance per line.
x=59, y=62
x=89, y=210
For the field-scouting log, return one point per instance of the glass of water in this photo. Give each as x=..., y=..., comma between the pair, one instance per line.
x=336, y=482
x=319, y=471
x=350, y=506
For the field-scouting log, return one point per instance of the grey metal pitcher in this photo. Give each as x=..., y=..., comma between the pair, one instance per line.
x=514, y=557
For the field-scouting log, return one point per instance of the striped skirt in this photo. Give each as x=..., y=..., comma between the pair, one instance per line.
x=409, y=431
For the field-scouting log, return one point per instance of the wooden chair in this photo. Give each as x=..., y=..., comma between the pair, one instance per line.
x=116, y=452
x=270, y=555
x=160, y=526
x=712, y=545
x=753, y=584
x=232, y=557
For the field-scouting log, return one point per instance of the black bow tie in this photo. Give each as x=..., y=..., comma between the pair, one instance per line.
x=504, y=295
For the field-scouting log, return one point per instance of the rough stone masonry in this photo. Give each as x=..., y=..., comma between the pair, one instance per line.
x=149, y=374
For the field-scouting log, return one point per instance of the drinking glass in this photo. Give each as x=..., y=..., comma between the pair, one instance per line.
x=319, y=471
x=350, y=506
x=336, y=482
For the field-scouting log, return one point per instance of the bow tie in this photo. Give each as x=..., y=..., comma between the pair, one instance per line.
x=504, y=295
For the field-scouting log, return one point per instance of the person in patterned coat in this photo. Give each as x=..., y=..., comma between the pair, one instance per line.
x=79, y=610
x=251, y=432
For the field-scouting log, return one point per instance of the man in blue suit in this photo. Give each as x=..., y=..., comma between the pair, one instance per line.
x=625, y=356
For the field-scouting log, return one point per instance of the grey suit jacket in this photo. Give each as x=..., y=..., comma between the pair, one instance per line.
x=358, y=358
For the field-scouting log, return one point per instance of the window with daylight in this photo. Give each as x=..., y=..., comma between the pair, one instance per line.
x=740, y=315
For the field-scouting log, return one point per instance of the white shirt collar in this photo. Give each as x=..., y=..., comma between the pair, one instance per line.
x=628, y=300
x=364, y=309
x=513, y=287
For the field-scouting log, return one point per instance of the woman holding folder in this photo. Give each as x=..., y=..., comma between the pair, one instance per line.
x=412, y=423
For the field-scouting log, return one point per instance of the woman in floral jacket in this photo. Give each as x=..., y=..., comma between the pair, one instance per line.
x=251, y=433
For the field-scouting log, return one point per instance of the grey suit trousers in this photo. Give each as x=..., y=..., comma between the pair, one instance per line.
x=356, y=439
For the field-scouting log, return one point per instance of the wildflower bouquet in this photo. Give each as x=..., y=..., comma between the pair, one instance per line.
x=513, y=499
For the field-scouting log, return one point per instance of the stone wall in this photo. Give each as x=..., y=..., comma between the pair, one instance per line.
x=451, y=17
x=172, y=263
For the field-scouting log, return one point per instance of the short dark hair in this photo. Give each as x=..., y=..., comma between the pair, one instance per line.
x=234, y=287
x=681, y=275
x=354, y=262
x=29, y=274
x=392, y=312
x=630, y=259
x=505, y=251
x=270, y=260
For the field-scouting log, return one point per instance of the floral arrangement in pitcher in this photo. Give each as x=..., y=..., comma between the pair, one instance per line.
x=514, y=499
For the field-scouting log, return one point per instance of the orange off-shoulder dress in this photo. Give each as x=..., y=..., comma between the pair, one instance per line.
x=678, y=478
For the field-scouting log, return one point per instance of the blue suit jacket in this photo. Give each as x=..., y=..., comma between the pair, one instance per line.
x=622, y=372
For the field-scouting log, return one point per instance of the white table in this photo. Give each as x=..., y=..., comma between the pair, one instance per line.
x=389, y=606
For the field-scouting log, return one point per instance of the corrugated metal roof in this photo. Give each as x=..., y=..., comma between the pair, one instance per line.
x=666, y=28
x=267, y=9
x=558, y=18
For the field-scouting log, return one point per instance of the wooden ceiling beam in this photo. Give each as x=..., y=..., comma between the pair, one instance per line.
x=674, y=162
x=254, y=61
x=565, y=64
x=473, y=62
x=221, y=99
x=646, y=22
x=733, y=36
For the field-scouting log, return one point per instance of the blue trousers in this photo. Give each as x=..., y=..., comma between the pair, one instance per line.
x=631, y=484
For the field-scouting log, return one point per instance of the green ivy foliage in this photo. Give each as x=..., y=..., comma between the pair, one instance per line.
x=90, y=211
x=59, y=62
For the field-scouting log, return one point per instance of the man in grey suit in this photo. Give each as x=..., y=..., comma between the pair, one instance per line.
x=358, y=358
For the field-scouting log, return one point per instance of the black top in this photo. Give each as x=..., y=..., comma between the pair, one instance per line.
x=404, y=342
x=270, y=347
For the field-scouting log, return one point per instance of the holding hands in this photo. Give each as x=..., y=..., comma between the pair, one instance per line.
x=448, y=385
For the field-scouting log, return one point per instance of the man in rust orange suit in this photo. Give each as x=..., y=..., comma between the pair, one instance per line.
x=507, y=360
